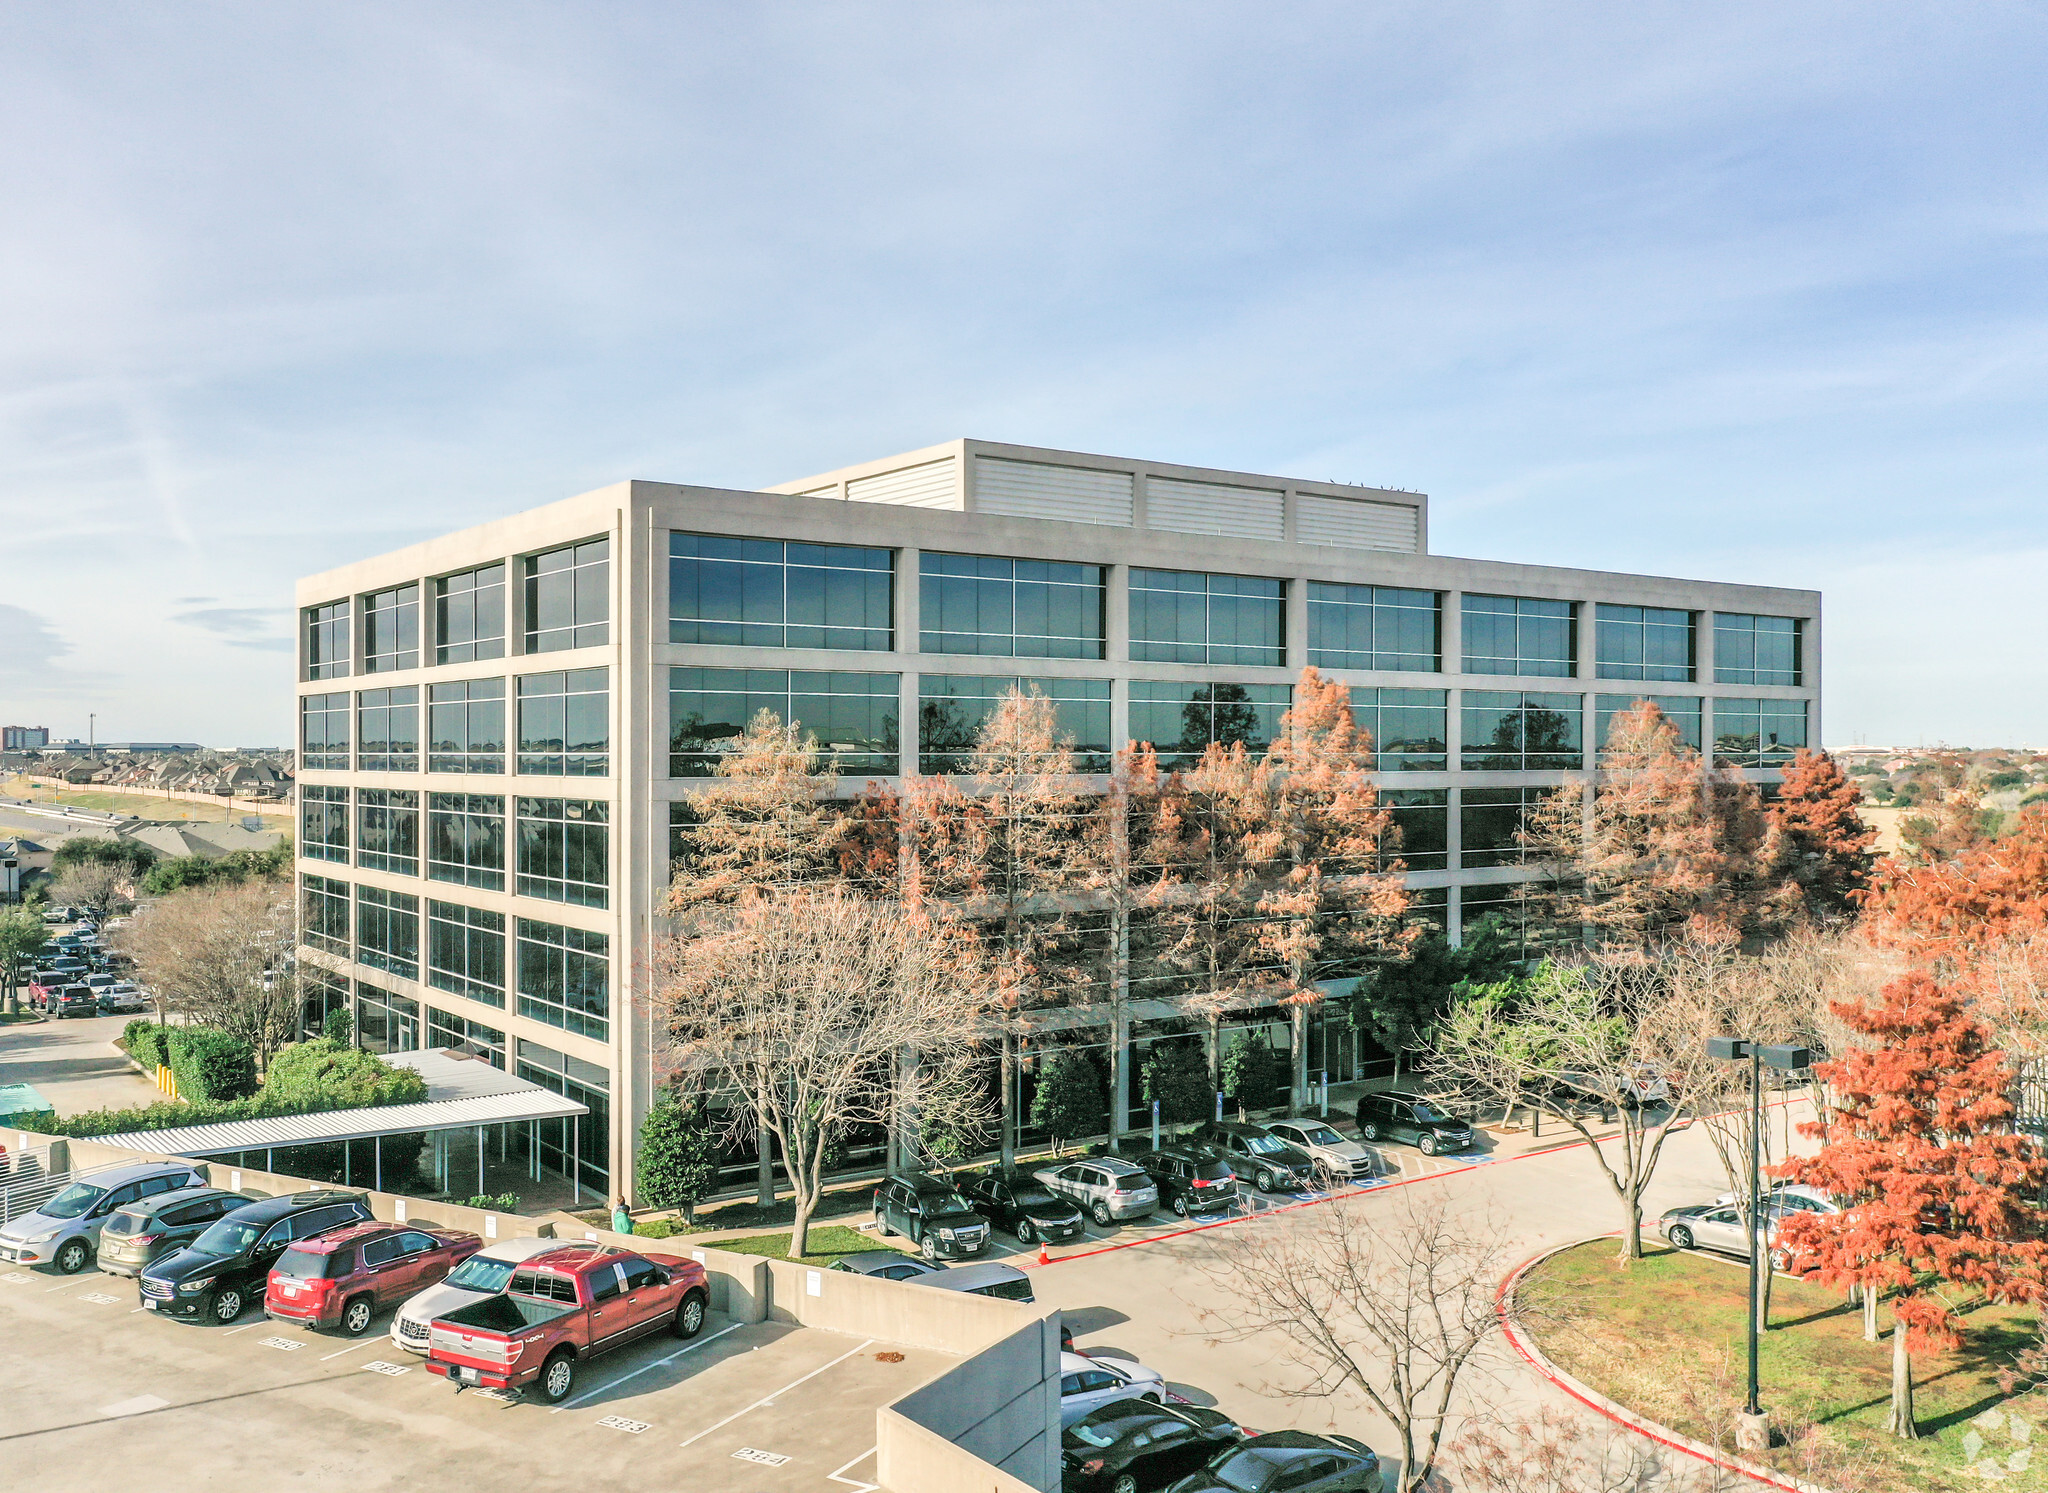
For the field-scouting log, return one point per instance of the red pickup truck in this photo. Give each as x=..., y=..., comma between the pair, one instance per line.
x=562, y=1307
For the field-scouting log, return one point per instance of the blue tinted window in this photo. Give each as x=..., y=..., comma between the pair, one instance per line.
x=1180, y=719
x=951, y=708
x=1758, y=733
x=565, y=723
x=852, y=717
x=765, y=593
x=1516, y=731
x=1407, y=727
x=1758, y=650
x=1009, y=608
x=1642, y=643
x=1683, y=711
x=1519, y=635
x=1189, y=617
x=1373, y=627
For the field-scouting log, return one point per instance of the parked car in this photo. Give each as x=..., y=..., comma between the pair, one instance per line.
x=1793, y=1197
x=485, y=1273
x=1191, y=1179
x=1017, y=1201
x=888, y=1264
x=1088, y=1383
x=1109, y=1188
x=1715, y=1226
x=122, y=998
x=931, y=1213
x=1133, y=1446
x=1642, y=1084
x=1296, y=1461
x=228, y=1266
x=65, y=1231
x=1335, y=1157
x=991, y=1278
x=98, y=982
x=1410, y=1118
x=145, y=1231
x=74, y=1000
x=562, y=1308
x=1257, y=1156
x=344, y=1277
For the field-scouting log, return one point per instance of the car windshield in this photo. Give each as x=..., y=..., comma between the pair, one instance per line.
x=72, y=1201
x=1427, y=1111
x=946, y=1200
x=228, y=1237
x=1246, y=1469
x=1037, y=1197
x=1320, y=1135
x=479, y=1274
x=1265, y=1145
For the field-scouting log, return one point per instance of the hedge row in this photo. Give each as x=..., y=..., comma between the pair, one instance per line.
x=304, y=1078
x=210, y=1066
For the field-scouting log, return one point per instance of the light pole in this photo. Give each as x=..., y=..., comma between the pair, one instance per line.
x=1754, y=1433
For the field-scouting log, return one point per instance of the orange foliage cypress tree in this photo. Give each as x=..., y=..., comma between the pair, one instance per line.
x=1830, y=844
x=1921, y=1144
x=1959, y=907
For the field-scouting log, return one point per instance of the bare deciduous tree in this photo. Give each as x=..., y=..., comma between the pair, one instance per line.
x=1557, y=1451
x=96, y=888
x=220, y=955
x=1392, y=1300
x=803, y=1001
x=1604, y=1030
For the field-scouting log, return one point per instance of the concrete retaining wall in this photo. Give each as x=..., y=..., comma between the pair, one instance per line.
x=991, y=1422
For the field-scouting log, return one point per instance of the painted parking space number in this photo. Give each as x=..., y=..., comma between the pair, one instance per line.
x=288, y=1345
x=381, y=1367
x=766, y=1459
x=101, y=1297
x=17, y=1277
x=620, y=1423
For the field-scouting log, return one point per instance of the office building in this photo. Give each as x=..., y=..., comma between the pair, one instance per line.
x=23, y=738
x=494, y=725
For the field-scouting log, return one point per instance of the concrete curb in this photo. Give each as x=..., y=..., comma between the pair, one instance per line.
x=1592, y=1399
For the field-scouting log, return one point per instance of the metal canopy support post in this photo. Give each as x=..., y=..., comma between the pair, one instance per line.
x=479, y=1161
x=576, y=1158
x=380, y=1163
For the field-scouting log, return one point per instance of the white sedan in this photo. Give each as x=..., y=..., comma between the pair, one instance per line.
x=1087, y=1383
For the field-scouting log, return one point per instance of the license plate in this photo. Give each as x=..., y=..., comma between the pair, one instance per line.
x=288, y=1290
x=149, y=1303
x=465, y=1375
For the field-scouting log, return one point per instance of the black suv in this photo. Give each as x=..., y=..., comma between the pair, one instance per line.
x=1191, y=1179
x=1291, y=1460
x=1412, y=1118
x=1258, y=1156
x=1019, y=1202
x=931, y=1213
x=227, y=1267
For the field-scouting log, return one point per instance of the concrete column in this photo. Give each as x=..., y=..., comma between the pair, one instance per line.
x=1116, y=608
x=1451, y=632
x=907, y=621
x=1295, y=626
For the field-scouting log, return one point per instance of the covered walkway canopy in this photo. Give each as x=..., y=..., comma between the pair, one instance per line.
x=463, y=1093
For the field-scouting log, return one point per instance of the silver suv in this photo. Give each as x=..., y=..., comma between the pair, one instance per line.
x=1110, y=1189
x=65, y=1231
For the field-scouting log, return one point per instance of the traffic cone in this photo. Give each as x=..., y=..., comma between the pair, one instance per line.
x=1043, y=1257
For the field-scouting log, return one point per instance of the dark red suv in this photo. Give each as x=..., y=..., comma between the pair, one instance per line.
x=342, y=1279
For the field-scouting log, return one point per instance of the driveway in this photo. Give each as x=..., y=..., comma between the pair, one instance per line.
x=74, y=1063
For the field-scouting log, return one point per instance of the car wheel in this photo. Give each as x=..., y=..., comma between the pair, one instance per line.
x=1180, y=1206
x=1025, y=1233
x=1680, y=1237
x=690, y=1316
x=1263, y=1181
x=1427, y=1145
x=72, y=1257
x=355, y=1317
x=1369, y=1131
x=882, y=1229
x=1124, y=1483
x=1101, y=1212
x=928, y=1246
x=1781, y=1260
x=558, y=1377
x=227, y=1305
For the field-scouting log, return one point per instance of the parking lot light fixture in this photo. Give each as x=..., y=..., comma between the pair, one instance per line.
x=1753, y=1433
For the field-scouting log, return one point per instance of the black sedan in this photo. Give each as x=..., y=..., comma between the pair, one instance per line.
x=1130, y=1446
x=1294, y=1460
x=1017, y=1201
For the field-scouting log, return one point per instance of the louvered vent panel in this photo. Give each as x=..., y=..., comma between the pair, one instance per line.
x=932, y=485
x=1210, y=508
x=1037, y=489
x=829, y=490
x=1357, y=524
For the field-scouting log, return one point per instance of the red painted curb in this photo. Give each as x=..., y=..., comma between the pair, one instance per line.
x=1642, y=1427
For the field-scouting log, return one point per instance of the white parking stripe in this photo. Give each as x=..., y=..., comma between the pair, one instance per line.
x=771, y=1397
x=259, y=1322
x=855, y=1483
x=352, y=1347
x=572, y=1404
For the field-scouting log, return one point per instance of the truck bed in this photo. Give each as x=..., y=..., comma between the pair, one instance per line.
x=506, y=1313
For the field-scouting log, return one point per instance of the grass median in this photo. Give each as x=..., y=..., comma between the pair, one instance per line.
x=828, y=1242
x=1665, y=1337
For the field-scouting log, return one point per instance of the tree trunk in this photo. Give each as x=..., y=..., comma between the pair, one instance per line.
x=1870, y=1295
x=1297, y=1060
x=1120, y=1034
x=764, y=1169
x=1215, y=1044
x=1009, y=1120
x=1901, y=1423
x=800, y=1227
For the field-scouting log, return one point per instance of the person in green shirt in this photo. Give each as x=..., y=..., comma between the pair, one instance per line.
x=622, y=1221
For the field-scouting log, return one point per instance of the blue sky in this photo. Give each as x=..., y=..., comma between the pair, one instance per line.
x=1739, y=292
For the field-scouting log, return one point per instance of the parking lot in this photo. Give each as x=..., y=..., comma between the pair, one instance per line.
x=102, y=1390
x=74, y=1063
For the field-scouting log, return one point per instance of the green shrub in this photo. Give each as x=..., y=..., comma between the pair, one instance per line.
x=1251, y=1069
x=503, y=1202
x=324, y=1074
x=678, y=1155
x=211, y=1065
x=340, y=1026
x=1177, y=1075
x=1069, y=1101
x=145, y=1042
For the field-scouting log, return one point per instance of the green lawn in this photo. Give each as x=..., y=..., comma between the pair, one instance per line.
x=827, y=1243
x=1665, y=1337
